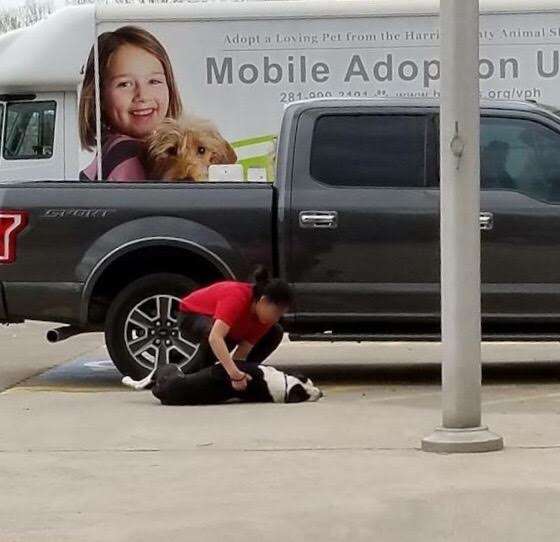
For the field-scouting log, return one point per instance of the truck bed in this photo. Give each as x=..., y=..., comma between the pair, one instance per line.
x=76, y=230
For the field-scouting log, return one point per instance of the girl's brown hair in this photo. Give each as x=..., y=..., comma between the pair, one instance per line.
x=108, y=43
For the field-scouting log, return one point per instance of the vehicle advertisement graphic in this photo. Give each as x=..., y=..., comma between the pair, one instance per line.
x=177, y=97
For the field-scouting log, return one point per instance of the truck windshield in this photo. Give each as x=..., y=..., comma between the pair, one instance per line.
x=1, y=124
x=29, y=130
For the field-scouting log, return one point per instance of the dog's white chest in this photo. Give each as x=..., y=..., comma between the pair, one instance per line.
x=276, y=383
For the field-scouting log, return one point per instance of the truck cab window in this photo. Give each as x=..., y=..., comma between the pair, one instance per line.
x=1, y=120
x=521, y=155
x=370, y=150
x=29, y=130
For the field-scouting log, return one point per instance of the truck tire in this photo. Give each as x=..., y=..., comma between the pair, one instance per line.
x=141, y=325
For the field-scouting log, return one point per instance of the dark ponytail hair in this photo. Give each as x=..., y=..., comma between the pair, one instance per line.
x=277, y=291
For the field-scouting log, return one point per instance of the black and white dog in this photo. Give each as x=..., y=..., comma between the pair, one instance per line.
x=212, y=385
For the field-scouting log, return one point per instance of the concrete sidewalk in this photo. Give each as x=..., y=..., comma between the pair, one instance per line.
x=84, y=459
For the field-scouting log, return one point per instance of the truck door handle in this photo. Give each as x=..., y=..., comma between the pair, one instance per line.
x=318, y=219
x=486, y=221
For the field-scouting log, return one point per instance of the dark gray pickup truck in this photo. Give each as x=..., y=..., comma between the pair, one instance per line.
x=352, y=222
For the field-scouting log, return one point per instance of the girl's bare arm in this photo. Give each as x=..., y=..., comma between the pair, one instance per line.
x=218, y=344
x=242, y=351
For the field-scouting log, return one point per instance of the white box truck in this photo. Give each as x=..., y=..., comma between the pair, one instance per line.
x=238, y=65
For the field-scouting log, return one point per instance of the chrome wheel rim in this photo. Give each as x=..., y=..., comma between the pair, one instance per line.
x=151, y=334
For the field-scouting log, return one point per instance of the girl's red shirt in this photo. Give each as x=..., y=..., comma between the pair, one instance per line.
x=230, y=302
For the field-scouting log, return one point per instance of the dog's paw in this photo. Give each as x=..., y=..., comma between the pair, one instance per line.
x=144, y=384
x=128, y=382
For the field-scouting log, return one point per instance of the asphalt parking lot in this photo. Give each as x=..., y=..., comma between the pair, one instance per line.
x=85, y=459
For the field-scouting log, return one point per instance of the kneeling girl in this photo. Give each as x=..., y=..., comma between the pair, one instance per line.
x=232, y=314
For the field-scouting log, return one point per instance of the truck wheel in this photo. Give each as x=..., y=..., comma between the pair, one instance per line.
x=141, y=325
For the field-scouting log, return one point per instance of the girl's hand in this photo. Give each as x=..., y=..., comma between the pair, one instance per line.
x=241, y=385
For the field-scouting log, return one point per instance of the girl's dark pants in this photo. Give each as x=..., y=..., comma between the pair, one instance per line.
x=196, y=328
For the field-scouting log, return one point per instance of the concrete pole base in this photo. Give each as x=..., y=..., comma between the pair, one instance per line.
x=457, y=441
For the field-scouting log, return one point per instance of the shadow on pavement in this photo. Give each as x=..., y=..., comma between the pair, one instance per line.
x=545, y=372
x=101, y=375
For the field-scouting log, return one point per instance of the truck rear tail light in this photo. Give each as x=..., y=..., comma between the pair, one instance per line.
x=11, y=223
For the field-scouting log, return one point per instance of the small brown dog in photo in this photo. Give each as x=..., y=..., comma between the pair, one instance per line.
x=182, y=150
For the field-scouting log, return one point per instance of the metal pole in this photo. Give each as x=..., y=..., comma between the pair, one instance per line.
x=461, y=430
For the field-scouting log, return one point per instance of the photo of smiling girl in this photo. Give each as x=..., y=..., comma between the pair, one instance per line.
x=137, y=92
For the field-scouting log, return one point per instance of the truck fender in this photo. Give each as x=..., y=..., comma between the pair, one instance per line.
x=150, y=231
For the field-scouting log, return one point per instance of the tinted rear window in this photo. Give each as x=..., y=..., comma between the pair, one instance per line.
x=369, y=150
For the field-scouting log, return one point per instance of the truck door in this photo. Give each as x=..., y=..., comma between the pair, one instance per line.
x=364, y=223
x=520, y=203
x=33, y=138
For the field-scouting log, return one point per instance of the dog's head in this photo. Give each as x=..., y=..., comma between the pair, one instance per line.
x=289, y=388
x=301, y=389
x=182, y=150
